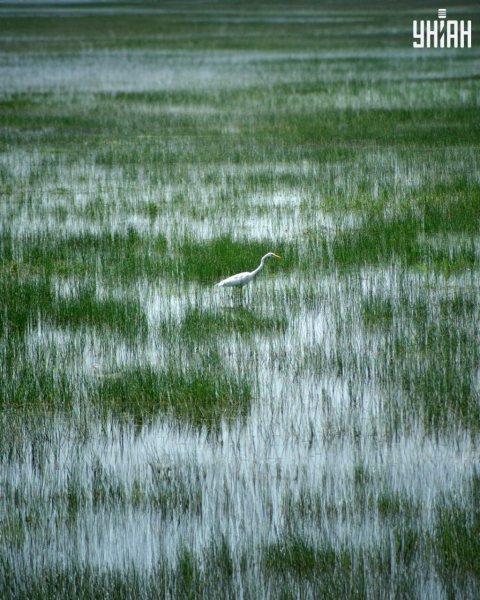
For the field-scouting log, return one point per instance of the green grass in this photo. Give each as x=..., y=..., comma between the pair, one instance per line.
x=408, y=238
x=185, y=580
x=31, y=300
x=117, y=255
x=456, y=539
x=332, y=573
x=298, y=556
x=203, y=398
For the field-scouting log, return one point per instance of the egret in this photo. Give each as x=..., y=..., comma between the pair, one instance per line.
x=241, y=279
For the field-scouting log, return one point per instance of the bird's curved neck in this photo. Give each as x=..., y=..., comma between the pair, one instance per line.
x=260, y=265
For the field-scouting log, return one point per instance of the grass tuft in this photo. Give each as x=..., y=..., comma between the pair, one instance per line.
x=200, y=397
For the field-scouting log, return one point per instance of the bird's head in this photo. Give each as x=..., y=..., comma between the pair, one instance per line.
x=274, y=255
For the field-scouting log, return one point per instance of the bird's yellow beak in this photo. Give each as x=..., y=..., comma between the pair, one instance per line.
x=276, y=256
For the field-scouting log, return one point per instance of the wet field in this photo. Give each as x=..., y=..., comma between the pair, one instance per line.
x=317, y=436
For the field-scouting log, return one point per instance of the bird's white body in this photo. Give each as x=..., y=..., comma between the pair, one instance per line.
x=241, y=279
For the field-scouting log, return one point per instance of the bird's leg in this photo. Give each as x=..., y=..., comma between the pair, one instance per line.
x=239, y=294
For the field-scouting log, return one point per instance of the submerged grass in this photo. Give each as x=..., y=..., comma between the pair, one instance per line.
x=202, y=324
x=117, y=256
x=187, y=579
x=202, y=398
x=29, y=302
x=37, y=385
x=297, y=566
x=456, y=538
x=439, y=381
x=406, y=239
x=166, y=494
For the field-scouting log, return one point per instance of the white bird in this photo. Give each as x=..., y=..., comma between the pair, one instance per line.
x=241, y=279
